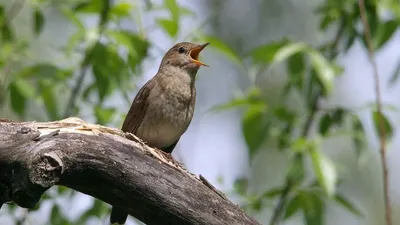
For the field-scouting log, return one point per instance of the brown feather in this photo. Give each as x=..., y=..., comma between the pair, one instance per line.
x=138, y=108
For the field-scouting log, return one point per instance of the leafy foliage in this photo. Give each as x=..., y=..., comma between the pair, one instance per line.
x=310, y=75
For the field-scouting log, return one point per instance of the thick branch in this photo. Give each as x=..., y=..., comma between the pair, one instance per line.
x=101, y=162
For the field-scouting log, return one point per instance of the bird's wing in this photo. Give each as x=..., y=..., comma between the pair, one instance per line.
x=138, y=108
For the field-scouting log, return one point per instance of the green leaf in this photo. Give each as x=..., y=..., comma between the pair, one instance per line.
x=173, y=8
x=38, y=21
x=254, y=127
x=313, y=208
x=102, y=82
x=324, y=124
x=330, y=14
x=382, y=125
x=329, y=119
x=103, y=115
x=75, y=39
x=135, y=58
x=341, y=200
x=358, y=136
x=293, y=206
x=5, y=28
x=90, y=6
x=121, y=10
x=395, y=75
x=301, y=144
x=325, y=171
x=100, y=70
x=45, y=70
x=73, y=18
x=108, y=69
x=338, y=115
x=49, y=99
x=25, y=88
x=296, y=67
x=285, y=137
x=284, y=114
x=170, y=26
x=296, y=64
x=241, y=185
x=384, y=32
x=98, y=209
x=136, y=45
x=18, y=100
x=20, y=91
x=325, y=72
x=256, y=205
x=295, y=172
x=325, y=22
x=289, y=50
x=222, y=47
x=6, y=33
x=271, y=193
x=350, y=39
x=266, y=53
x=3, y=94
x=57, y=217
x=253, y=96
x=55, y=214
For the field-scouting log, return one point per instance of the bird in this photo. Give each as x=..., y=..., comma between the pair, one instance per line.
x=163, y=108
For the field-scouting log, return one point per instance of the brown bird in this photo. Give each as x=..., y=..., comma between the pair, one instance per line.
x=163, y=108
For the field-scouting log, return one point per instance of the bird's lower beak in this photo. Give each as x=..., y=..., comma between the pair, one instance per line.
x=194, y=54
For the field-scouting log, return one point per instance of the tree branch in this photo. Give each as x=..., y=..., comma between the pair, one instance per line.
x=103, y=163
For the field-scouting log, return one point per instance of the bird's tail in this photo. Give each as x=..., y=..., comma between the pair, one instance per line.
x=118, y=216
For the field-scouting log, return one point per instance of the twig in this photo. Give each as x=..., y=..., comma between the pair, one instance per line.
x=75, y=91
x=339, y=34
x=382, y=142
x=278, y=210
x=87, y=59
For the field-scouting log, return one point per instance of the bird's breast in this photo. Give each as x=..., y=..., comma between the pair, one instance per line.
x=168, y=115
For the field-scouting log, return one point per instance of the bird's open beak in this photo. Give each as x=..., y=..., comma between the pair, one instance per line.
x=194, y=54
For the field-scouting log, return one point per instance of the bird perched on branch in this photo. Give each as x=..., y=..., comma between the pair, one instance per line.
x=163, y=108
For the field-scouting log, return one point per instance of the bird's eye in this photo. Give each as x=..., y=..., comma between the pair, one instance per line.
x=181, y=50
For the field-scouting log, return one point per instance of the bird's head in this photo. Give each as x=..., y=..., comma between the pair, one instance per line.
x=184, y=55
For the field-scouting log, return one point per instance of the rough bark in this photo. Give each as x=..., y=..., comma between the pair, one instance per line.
x=103, y=163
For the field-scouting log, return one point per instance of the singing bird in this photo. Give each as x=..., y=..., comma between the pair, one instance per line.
x=163, y=108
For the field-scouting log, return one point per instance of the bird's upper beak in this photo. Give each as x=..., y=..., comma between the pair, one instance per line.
x=194, y=54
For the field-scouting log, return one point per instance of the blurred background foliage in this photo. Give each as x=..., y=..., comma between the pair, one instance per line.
x=100, y=62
